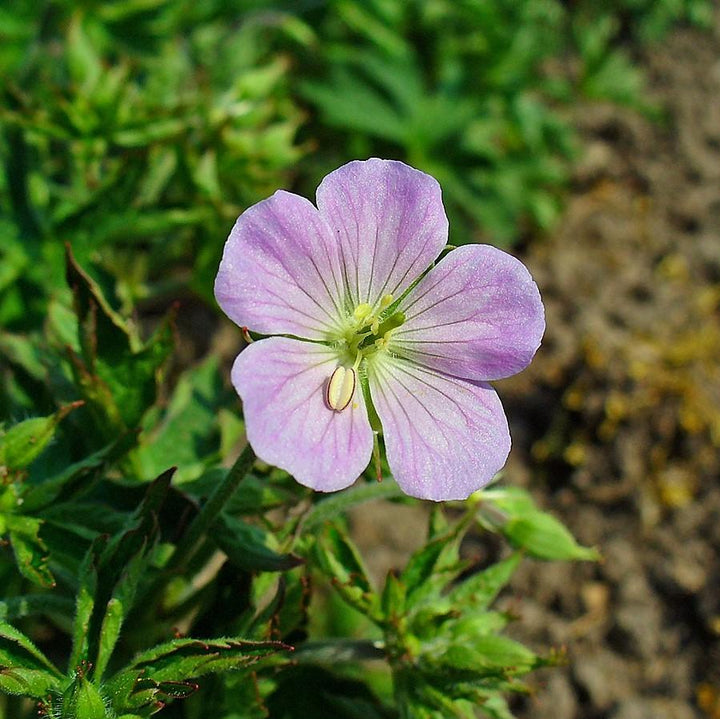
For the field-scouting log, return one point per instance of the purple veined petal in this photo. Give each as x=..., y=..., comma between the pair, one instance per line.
x=280, y=271
x=390, y=223
x=445, y=437
x=477, y=314
x=282, y=385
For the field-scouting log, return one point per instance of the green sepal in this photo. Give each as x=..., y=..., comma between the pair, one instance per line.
x=513, y=512
x=489, y=654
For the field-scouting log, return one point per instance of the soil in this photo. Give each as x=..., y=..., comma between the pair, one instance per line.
x=616, y=425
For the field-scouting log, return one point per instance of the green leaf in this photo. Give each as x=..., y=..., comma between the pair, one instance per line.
x=188, y=431
x=475, y=624
x=83, y=60
x=23, y=442
x=247, y=546
x=435, y=565
x=167, y=670
x=340, y=560
x=85, y=604
x=480, y=589
x=33, y=683
x=394, y=596
x=31, y=554
x=37, y=496
x=496, y=707
x=28, y=605
x=24, y=669
x=109, y=577
x=117, y=375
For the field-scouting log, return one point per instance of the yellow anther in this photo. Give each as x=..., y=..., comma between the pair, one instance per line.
x=386, y=301
x=375, y=326
x=340, y=388
x=362, y=312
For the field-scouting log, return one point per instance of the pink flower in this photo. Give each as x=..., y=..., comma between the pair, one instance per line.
x=362, y=335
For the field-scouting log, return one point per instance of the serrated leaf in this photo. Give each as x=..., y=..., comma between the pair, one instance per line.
x=175, y=663
x=85, y=603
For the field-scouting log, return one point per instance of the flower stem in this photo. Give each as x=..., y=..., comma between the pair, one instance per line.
x=188, y=544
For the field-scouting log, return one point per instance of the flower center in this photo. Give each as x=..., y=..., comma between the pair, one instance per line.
x=367, y=332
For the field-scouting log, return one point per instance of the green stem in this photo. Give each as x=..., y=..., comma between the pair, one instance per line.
x=188, y=545
x=332, y=651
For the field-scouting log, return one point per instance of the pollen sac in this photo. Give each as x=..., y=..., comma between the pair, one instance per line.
x=340, y=388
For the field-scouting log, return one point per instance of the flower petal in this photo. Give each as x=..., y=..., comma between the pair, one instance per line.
x=390, y=221
x=477, y=314
x=445, y=437
x=282, y=384
x=280, y=271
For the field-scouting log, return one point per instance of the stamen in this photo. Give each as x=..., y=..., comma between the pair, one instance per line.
x=386, y=301
x=362, y=312
x=391, y=323
x=340, y=388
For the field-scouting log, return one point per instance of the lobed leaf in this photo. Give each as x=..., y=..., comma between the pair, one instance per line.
x=166, y=671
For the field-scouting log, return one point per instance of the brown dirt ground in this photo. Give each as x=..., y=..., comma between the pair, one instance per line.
x=624, y=434
x=616, y=425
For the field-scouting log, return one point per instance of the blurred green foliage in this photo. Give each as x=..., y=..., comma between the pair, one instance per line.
x=132, y=133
